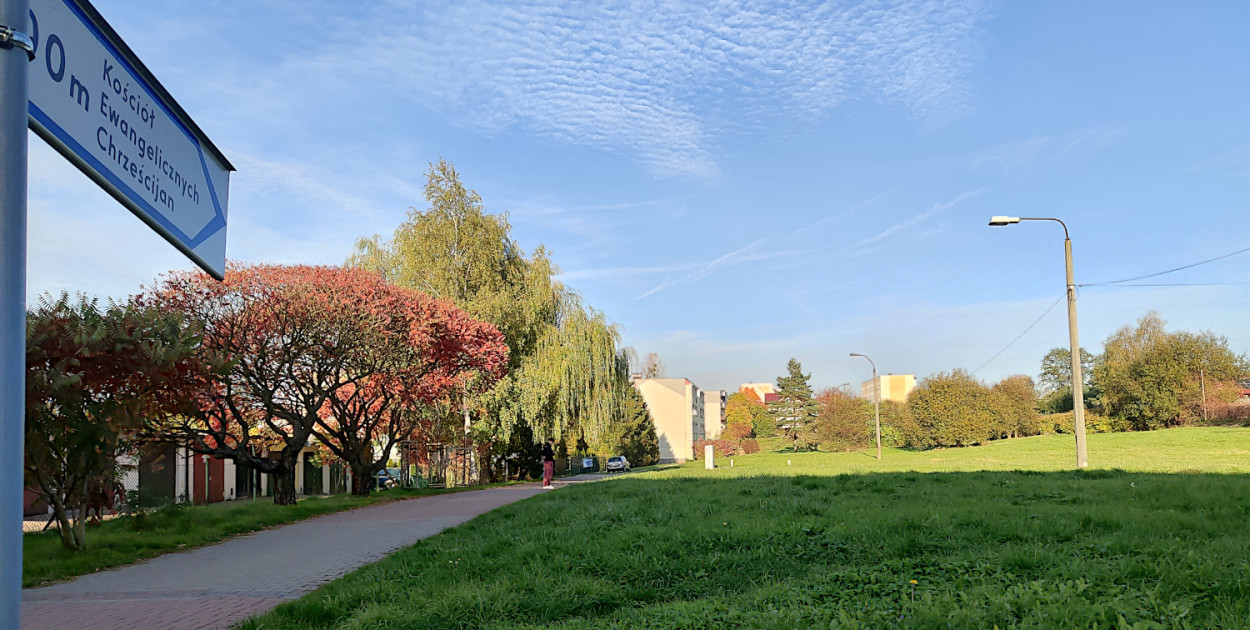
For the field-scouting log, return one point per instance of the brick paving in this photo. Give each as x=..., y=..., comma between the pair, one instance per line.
x=222, y=584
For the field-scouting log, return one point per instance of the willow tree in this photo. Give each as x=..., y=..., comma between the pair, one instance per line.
x=567, y=372
x=593, y=377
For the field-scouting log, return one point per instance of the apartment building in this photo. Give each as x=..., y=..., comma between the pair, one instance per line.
x=713, y=412
x=763, y=392
x=893, y=387
x=677, y=409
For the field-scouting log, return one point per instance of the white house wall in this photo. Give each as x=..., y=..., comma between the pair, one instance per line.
x=228, y=484
x=180, y=475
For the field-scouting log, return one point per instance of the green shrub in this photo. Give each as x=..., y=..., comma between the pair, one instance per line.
x=1017, y=403
x=955, y=409
x=843, y=422
x=892, y=436
x=898, y=428
x=1155, y=378
x=1094, y=423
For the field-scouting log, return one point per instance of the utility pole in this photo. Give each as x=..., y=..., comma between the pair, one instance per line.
x=1078, y=380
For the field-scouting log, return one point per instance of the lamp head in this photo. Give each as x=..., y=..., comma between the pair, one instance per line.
x=856, y=354
x=1003, y=220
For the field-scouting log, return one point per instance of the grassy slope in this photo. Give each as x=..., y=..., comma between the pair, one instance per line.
x=118, y=542
x=1219, y=450
x=769, y=545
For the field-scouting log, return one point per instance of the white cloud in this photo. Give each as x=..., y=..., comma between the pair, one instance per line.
x=1234, y=161
x=588, y=231
x=904, y=225
x=749, y=253
x=732, y=258
x=1022, y=157
x=659, y=80
x=782, y=246
x=842, y=214
x=1088, y=141
x=309, y=183
x=620, y=272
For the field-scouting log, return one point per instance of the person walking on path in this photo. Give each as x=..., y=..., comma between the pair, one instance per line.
x=549, y=463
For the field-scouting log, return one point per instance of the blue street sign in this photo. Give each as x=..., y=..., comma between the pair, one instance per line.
x=99, y=106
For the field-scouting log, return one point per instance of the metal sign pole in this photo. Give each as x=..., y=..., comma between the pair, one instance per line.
x=15, y=48
x=172, y=164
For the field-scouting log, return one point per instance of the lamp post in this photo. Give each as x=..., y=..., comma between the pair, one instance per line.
x=1078, y=393
x=876, y=400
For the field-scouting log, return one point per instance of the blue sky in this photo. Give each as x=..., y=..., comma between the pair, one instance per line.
x=733, y=183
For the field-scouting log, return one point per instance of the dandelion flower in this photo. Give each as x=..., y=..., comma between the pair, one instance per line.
x=914, y=582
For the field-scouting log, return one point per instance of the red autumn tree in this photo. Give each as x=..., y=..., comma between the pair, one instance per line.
x=843, y=421
x=295, y=339
x=93, y=376
x=745, y=416
x=419, y=351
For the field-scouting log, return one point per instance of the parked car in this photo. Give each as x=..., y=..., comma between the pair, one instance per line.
x=386, y=479
x=618, y=463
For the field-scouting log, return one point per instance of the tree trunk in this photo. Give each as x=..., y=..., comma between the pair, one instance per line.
x=64, y=526
x=284, y=485
x=362, y=478
x=80, y=526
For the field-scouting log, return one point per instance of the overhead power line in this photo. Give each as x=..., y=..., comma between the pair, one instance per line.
x=1124, y=283
x=1172, y=284
x=1025, y=332
x=1173, y=270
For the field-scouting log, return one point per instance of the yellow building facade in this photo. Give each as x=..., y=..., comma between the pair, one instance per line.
x=894, y=387
x=676, y=408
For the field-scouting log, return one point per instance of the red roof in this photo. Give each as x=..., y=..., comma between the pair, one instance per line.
x=770, y=397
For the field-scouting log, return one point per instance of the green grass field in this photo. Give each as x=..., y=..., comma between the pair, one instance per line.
x=1157, y=535
x=118, y=542
x=1217, y=450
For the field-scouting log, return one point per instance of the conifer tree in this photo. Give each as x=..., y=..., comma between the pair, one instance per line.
x=794, y=408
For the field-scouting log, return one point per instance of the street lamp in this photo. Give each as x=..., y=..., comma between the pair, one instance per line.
x=1078, y=393
x=876, y=399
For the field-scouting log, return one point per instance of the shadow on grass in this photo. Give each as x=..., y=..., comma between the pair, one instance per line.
x=1057, y=549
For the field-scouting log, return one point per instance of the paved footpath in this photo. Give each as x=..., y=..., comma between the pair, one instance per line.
x=215, y=586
